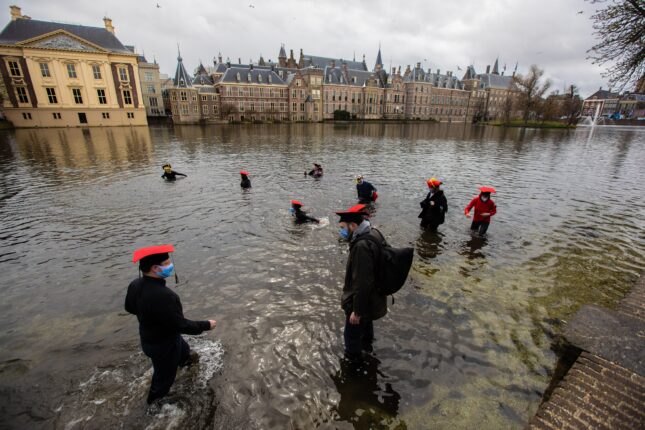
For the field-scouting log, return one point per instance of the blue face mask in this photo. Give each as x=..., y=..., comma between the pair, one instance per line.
x=165, y=271
x=292, y=211
x=344, y=233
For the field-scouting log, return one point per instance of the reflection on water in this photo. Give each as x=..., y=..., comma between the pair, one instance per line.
x=466, y=344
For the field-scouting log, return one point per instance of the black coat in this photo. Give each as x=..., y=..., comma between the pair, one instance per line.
x=359, y=292
x=246, y=182
x=434, y=214
x=172, y=175
x=159, y=311
x=302, y=217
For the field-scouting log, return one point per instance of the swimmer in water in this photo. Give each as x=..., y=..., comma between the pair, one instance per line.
x=169, y=174
x=317, y=171
x=300, y=215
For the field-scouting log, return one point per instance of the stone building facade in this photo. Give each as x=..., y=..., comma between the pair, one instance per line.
x=62, y=75
x=151, y=87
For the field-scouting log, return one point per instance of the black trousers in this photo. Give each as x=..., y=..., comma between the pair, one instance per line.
x=358, y=337
x=166, y=358
x=480, y=226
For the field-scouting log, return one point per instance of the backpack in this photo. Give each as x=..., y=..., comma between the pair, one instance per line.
x=393, y=265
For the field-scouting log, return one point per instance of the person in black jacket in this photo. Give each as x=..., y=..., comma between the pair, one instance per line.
x=300, y=215
x=246, y=182
x=366, y=191
x=434, y=206
x=360, y=301
x=169, y=174
x=161, y=319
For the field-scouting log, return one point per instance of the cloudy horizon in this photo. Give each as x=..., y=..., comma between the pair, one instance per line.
x=553, y=34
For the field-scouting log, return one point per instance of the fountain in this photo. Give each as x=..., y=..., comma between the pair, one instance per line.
x=588, y=121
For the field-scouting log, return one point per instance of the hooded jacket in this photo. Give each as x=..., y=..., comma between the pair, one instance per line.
x=434, y=214
x=359, y=292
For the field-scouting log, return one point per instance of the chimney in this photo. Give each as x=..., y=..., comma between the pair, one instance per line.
x=239, y=60
x=394, y=70
x=251, y=66
x=438, y=71
x=219, y=57
x=418, y=66
x=488, y=69
x=15, y=12
x=108, y=24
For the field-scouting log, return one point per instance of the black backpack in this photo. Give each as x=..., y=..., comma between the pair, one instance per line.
x=393, y=265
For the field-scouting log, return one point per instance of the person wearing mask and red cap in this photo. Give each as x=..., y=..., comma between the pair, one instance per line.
x=246, y=182
x=484, y=209
x=360, y=301
x=434, y=206
x=161, y=318
x=300, y=215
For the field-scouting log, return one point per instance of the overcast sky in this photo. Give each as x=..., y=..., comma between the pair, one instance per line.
x=554, y=34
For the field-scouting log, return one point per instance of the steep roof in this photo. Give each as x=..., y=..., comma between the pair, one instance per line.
x=379, y=62
x=496, y=67
x=24, y=29
x=258, y=76
x=603, y=95
x=182, y=78
x=356, y=78
x=417, y=74
x=489, y=80
x=322, y=62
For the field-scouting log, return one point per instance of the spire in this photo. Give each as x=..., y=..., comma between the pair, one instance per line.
x=496, y=67
x=182, y=79
x=283, y=53
x=379, y=61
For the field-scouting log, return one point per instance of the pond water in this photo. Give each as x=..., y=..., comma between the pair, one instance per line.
x=466, y=343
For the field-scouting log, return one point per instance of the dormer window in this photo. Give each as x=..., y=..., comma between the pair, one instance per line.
x=259, y=78
x=248, y=77
x=270, y=79
x=353, y=79
x=238, y=77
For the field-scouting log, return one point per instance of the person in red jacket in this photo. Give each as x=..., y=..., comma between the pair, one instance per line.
x=484, y=209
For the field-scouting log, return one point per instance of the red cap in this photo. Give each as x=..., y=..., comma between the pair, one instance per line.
x=296, y=202
x=433, y=182
x=487, y=190
x=151, y=250
x=357, y=209
x=244, y=172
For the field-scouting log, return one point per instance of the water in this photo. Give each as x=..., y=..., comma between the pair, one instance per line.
x=466, y=344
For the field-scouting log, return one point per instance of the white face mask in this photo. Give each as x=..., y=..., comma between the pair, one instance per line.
x=484, y=198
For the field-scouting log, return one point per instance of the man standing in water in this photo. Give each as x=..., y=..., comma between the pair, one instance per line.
x=161, y=319
x=366, y=191
x=360, y=301
x=434, y=207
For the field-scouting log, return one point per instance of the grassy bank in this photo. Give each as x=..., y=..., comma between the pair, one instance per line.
x=531, y=124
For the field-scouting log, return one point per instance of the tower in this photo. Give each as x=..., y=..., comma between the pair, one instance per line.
x=282, y=57
x=379, y=62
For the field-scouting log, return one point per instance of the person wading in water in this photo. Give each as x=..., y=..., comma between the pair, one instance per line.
x=484, y=207
x=169, y=174
x=300, y=215
x=246, y=182
x=161, y=318
x=366, y=191
x=434, y=206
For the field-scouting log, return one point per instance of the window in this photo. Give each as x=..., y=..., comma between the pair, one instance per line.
x=127, y=97
x=205, y=109
x=302, y=107
x=101, y=95
x=149, y=76
x=259, y=78
x=294, y=107
x=96, y=71
x=153, y=102
x=22, y=95
x=51, y=95
x=78, y=97
x=183, y=95
x=106, y=115
x=56, y=115
x=204, y=97
x=131, y=115
x=184, y=109
x=71, y=71
x=82, y=118
x=14, y=68
x=151, y=89
x=44, y=70
x=195, y=109
x=26, y=115
x=194, y=97
x=123, y=74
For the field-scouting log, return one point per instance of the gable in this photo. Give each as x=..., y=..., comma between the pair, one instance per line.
x=61, y=40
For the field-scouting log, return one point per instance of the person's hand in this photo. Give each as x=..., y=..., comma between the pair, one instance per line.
x=213, y=324
x=485, y=214
x=354, y=319
x=467, y=214
x=431, y=203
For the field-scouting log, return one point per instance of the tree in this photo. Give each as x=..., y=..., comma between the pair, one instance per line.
x=572, y=106
x=620, y=28
x=507, y=109
x=228, y=109
x=531, y=90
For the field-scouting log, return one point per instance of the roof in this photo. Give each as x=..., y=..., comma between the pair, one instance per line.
x=336, y=75
x=182, y=78
x=379, y=62
x=603, y=95
x=25, y=29
x=439, y=80
x=322, y=62
x=489, y=80
x=258, y=76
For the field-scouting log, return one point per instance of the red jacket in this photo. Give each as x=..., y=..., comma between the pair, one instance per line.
x=481, y=207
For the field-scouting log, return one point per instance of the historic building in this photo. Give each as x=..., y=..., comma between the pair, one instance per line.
x=62, y=75
x=493, y=95
x=151, y=87
x=603, y=101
